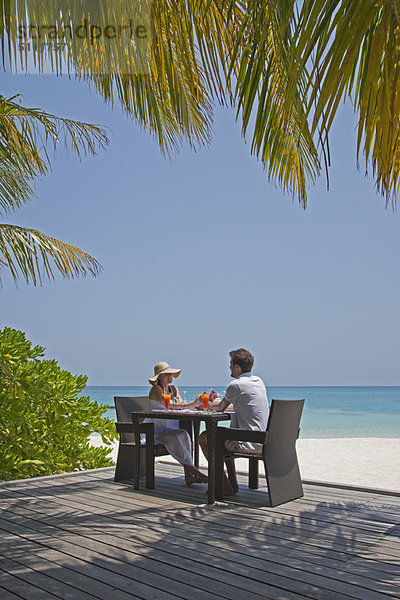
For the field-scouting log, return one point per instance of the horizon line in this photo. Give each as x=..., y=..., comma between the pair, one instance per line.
x=268, y=386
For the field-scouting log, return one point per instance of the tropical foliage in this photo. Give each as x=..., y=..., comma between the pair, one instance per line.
x=354, y=47
x=197, y=54
x=45, y=425
x=286, y=66
x=25, y=134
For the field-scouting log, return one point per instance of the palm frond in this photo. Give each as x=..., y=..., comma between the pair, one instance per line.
x=355, y=49
x=14, y=188
x=260, y=66
x=160, y=82
x=36, y=256
x=24, y=136
x=196, y=55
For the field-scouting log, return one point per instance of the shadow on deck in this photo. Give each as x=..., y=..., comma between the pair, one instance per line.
x=83, y=536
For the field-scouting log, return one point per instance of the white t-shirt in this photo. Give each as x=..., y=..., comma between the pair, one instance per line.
x=248, y=395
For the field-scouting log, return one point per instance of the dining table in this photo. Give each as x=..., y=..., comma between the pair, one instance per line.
x=210, y=419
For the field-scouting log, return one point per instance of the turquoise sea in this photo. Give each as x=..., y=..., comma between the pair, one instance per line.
x=329, y=412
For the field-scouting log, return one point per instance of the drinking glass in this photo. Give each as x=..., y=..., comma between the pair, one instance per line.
x=167, y=399
x=204, y=398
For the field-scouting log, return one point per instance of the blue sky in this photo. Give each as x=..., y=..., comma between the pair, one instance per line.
x=201, y=254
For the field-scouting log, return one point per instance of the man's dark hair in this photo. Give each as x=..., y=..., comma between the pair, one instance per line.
x=243, y=358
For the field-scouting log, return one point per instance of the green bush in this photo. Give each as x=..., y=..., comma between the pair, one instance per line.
x=44, y=425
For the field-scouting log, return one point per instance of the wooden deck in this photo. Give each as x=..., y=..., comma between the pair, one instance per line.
x=82, y=536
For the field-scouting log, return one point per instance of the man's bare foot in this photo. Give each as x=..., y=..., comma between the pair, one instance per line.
x=231, y=471
x=234, y=485
x=228, y=490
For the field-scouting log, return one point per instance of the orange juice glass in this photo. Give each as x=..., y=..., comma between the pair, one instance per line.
x=167, y=399
x=204, y=398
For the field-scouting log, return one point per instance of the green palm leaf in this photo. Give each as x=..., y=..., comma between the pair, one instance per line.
x=196, y=56
x=24, y=137
x=35, y=256
x=260, y=66
x=287, y=65
x=355, y=49
x=14, y=188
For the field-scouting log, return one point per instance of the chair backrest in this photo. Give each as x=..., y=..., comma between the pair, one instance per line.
x=279, y=454
x=124, y=406
x=284, y=421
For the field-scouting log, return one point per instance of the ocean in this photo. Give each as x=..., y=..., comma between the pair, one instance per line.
x=329, y=412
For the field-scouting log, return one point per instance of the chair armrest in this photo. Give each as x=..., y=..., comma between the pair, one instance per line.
x=124, y=427
x=240, y=435
x=133, y=428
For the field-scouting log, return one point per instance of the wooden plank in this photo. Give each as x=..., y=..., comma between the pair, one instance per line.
x=41, y=586
x=254, y=566
x=250, y=495
x=351, y=520
x=219, y=523
x=107, y=570
x=37, y=558
x=162, y=574
x=325, y=515
x=378, y=569
x=199, y=539
x=101, y=501
x=324, y=494
x=178, y=536
x=380, y=552
x=6, y=595
x=99, y=582
x=369, y=520
x=96, y=472
x=370, y=500
x=180, y=519
x=89, y=545
x=358, y=582
x=20, y=589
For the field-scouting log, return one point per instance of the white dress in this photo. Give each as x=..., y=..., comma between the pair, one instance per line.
x=166, y=431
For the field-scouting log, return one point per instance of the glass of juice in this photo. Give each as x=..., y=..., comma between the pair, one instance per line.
x=167, y=399
x=204, y=398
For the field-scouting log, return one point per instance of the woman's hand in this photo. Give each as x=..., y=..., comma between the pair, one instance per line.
x=175, y=406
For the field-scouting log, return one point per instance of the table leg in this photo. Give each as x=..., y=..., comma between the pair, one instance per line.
x=196, y=431
x=136, y=454
x=211, y=429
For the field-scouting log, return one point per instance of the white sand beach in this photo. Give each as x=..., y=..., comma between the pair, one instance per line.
x=369, y=462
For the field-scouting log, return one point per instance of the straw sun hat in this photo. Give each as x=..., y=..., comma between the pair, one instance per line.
x=161, y=368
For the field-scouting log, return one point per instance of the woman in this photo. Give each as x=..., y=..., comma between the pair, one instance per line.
x=177, y=441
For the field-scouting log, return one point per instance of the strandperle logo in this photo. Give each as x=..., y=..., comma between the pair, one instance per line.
x=81, y=31
x=89, y=35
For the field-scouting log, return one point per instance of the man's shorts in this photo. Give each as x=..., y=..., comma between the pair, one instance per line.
x=235, y=446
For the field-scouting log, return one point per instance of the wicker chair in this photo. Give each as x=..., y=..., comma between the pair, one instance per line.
x=278, y=453
x=128, y=452
x=132, y=462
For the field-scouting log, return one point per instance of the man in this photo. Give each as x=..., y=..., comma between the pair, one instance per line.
x=248, y=396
